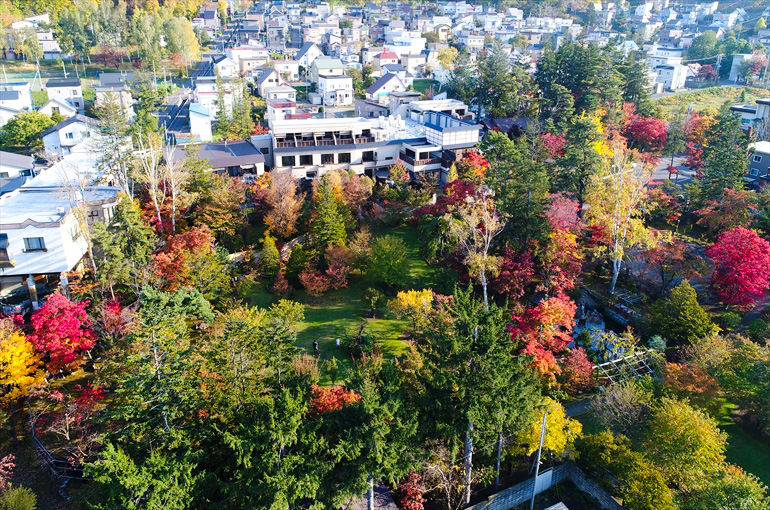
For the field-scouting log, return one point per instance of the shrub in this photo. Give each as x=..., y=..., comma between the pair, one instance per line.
x=389, y=262
x=374, y=299
x=730, y=320
x=576, y=372
x=759, y=330
x=658, y=343
x=359, y=344
x=19, y=498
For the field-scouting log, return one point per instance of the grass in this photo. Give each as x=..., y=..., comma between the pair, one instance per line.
x=424, y=84
x=709, y=99
x=743, y=448
x=342, y=312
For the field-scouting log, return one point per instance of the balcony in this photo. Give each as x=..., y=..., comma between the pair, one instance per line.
x=417, y=162
x=364, y=139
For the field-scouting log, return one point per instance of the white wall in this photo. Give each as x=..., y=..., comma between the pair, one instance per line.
x=62, y=253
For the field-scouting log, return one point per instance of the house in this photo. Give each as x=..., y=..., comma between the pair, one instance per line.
x=327, y=67
x=207, y=94
x=755, y=118
x=279, y=109
x=276, y=35
x=370, y=109
x=69, y=89
x=16, y=95
x=384, y=58
x=281, y=92
x=759, y=166
x=59, y=106
x=270, y=78
x=40, y=237
x=15, y=165
x=671, y=76
x=336, y=90
x=41, y=24
x=247, y=52
x=60, y=139
x=225, y=67
x=307, y=54
x=234, y=158
x=288, y=69
x=380, y=89
x=252, y=68
x=116, y=87
x=415, y=64
x=400, y=71
x=200, y=123
x=210, y=19
x=443, y=32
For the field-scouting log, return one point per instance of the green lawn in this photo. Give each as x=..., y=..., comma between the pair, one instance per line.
x=710, y=98
x=339, y=312
x=744, y=449
x=424, y=84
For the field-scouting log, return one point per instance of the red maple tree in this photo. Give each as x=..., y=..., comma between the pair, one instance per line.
x=554, y=145
x=61, y=331
x=732, y=210
x=563, y=212
x=545, y=331
x=577, y=371
x=516, y=272
x=410, y=493
x=647, y=134
x=741, y=267
x=328, y=400
x=562, y=262
x=172, y=264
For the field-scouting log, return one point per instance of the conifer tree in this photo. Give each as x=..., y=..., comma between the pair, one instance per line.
x=327, y=227
x=680, y=318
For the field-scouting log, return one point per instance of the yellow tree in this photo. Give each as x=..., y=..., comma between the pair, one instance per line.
x=19, y=365
x=413, y=304
x=560, y=432
x=613, y=206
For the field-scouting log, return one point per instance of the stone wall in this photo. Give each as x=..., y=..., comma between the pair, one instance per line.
x=522, y=492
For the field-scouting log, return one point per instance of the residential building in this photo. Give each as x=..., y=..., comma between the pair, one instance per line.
x=307, y=54
x=309, y=148
x=207, y=94
x=69, y=90
x=276, y=35
x=281, y=92
x=759, y=166
x=336, y=90
x=247, y=52
x=270, y=78
x=671, y=76
x=414, y=64
x=234, y=158
x=288, y=69
x=200, y=123
x=225, y=67
x=380, y=89
x=327, y=67
x=16, y=165
x=16, y=96
x=63, y=137
x=385, y=58
x=59, y=106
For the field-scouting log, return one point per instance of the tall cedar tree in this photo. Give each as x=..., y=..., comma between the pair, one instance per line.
x=679, y=318
x=725, y=157
x=327, y=227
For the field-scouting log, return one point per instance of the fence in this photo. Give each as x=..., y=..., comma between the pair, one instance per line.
x=522, y=492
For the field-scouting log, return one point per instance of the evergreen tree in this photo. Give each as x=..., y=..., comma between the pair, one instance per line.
x=327, y=227
x=497, y=91
x=725, y=157
x=269, y=258
x=222, y=118
x=636, y=88
x=462, y=83
x=680, y=318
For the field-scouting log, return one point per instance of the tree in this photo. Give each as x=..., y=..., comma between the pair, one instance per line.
x=388, y=263
x=447, y=57
x=680, y=318
x=182, y=40
x=285, y=204
x=562, y=262
x=614, y=201
x=414, y=304
x=61, y=332
x=23, y=130
x=72, y=34
x=220, y=209
x=641, y=486
x=648, y=135
x=733, y=489
x=123, y=247
x=545, y=332
x=742, y=267
x=498, y=84
x=327, y=227
x=410, y=493
x=114, y=147
x=20, y=366
x=175, y=176
x=703, y=46
x=149, y=157
x=725, y=157
x=577, y=372
x=582, y=155
x=269, y=258
x=24, y=40
x=732, y=210
x=623, y=408
x=685, y=443
x=474, y=226
x=461, y=80
x=560, y=433
x=516, y=272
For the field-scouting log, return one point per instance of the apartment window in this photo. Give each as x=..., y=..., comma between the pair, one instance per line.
x=34, y=244
x=754, y=171
x=288, y=161
x=264, y=150
x=74, y=92
x=93, y=214
x=69, y=136
x=306, y=159
x=757, y=158
x=77, y=104
x=327, y=159
x=4, y=248
x=344, y=157
x=367, y=156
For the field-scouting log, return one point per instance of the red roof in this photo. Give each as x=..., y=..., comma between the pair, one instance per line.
x=387, y=54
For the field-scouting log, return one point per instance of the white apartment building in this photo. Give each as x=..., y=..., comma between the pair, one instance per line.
x=61, y=139
x=672, y=77
x=336, y=90
x=308, y=148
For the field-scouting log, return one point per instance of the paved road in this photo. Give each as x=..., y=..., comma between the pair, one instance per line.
x=175, y=114
x=661, y=174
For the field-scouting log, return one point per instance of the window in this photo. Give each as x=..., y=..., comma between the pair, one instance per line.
x=93, y=214
x=34, y=244
x=4, y=248
x=344, y=157
x=69, y=136
x=288, y=161
x=367, y=156
x=77, y=104
x=327, y=159
x=757, y=158
x=74, y=92
x=264, y=150
x=3, y=175
x=306, y=159
x=754, y=171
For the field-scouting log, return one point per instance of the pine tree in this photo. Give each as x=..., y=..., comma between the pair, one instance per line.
x=269, y=258
x=680, y=318
x=327, y=227
x=725, y=157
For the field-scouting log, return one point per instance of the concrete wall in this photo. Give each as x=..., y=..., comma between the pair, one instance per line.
x=522, y=492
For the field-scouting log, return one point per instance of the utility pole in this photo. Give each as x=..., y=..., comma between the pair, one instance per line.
x=64, y=68
x=719, y=65
x=537, y=464
x=5, y=75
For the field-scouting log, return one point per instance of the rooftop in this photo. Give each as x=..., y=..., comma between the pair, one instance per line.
x=69, y=82
x=16, y=160
x=43, y=206
x=761, y=147
x=225, y=154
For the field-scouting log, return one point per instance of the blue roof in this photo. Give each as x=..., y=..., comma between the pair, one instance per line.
x=199, y=109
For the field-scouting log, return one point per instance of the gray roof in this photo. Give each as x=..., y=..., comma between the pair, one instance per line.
x=380, y=83
x=226, y=154
x=304, y=49
x=69, y=82
x=112, y=79
x=9, y=95
x=16, y=160
x=77, y=118
x=265, y=75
